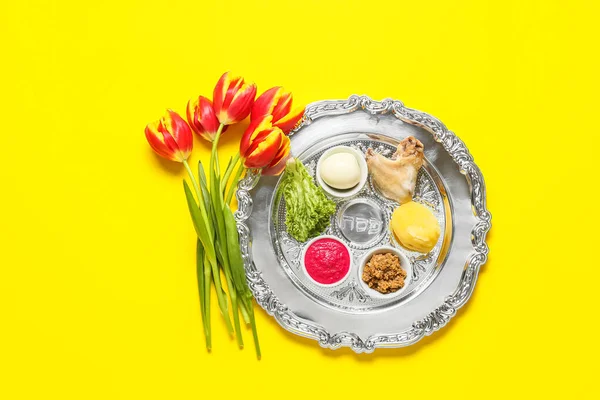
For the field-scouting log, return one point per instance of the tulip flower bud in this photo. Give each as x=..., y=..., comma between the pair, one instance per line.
x=278, y=103
x=170, y=137
x=233, y=99
x=261, y=143
x=202, y=118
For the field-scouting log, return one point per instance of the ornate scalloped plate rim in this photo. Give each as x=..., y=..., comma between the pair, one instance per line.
x=442, y=314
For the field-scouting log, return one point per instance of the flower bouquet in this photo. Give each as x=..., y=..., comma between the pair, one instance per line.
x=264, y=146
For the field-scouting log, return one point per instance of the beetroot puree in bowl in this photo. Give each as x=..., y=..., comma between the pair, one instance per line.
x=327, y=261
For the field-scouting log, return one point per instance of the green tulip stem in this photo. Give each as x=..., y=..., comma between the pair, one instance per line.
x=229, y=171
x=193, y=179
x=234, y=183
x=214, y=160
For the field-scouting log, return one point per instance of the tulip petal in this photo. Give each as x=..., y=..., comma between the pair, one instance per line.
x=284, y=150
x=209, y=120
x=180, y=130
x=171, y=144
x=276, y=169
x=235, y=84
x=277, y=165
x=283, y=107
x=191, y=115
x=262, y=153
x=202, y=118
x=289, y=122
x=253, y=132
x=220, y=91
x=265, y=103
x=261, y=137
x=241, y=104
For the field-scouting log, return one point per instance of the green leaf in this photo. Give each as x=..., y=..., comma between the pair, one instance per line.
x=206, y=196
x=217, y=203
x=227, y=173
x=202, y=174
x=234, y=183
x=235, y=255
x=244, y=311
x=221, y=296
x=236, y=315
x=200, y=222
x=207, y=282
x=204, y=186
x=254, y=331
x=201, y=276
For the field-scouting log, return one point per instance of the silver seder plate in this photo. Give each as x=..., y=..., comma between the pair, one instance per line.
x=442, y=281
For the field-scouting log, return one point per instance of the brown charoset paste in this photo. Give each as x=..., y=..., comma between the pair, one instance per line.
x=384, y=273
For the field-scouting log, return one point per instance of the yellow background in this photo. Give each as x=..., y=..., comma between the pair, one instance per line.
x=98, y=293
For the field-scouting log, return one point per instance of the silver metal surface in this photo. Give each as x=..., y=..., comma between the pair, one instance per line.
x=345, y=315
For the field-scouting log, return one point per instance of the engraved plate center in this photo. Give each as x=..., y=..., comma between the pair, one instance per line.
x=361, y=221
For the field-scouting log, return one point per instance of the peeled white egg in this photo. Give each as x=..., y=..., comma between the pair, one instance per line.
x=340, y=170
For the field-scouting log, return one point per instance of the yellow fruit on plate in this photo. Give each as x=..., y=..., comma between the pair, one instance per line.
x=415, y=227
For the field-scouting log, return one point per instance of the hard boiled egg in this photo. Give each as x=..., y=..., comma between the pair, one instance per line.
x=340, y=170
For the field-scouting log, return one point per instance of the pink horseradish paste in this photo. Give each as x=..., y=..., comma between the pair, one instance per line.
x=327, y=261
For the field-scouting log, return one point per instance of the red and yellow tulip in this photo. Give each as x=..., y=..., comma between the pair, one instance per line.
x=278, y=103
x=264, y=146
x=202, y=118
x=233, y=98
x=170, y=137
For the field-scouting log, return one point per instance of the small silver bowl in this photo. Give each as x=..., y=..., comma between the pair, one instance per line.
x=362, y=164
x=404, y=263
x=308, y=244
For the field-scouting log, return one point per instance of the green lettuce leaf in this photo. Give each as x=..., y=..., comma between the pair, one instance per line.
x=309, y=210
